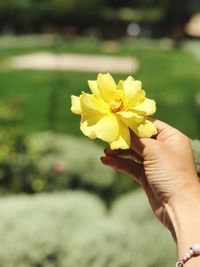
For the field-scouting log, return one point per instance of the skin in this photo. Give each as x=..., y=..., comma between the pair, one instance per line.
x=169, y=178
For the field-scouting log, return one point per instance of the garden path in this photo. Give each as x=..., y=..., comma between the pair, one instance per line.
x=74, y=62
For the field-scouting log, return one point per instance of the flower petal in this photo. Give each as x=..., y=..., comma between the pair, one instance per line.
x=90, y=104
x=94, y=88
x=76, y=105
x=148, y=107
x=107, y=86
x=131, y=88
x=107, y=129
x=87, y=129
x=104, y=127
x=130, y=115
x=120, y=85
x=123, y=141
x=145, y=129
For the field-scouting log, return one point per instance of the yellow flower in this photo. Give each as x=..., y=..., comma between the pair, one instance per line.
x=113, y=109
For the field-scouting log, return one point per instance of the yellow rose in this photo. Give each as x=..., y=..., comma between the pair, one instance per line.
x=113, y=109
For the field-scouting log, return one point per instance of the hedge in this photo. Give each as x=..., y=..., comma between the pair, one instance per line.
x=51, y=162
x=74, y=229
x=36, y=230
x=48, y=161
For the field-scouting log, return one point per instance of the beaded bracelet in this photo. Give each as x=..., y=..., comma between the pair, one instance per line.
x=194, y=250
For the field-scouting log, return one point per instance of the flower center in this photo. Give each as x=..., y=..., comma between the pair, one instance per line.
x=116, y=105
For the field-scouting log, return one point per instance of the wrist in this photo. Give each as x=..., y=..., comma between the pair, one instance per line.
x=183, y=211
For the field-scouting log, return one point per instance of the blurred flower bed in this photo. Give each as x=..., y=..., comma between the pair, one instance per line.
x=75, y=229
x=47, y=161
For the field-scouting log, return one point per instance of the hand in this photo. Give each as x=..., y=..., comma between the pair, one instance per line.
x=168, y=171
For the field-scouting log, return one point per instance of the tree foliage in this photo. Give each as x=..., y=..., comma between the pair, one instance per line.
x=30, y=15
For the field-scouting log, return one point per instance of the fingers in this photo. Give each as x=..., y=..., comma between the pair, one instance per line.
x=124, y=165
x=164, y=127
x=127, y=166
x=134, y=170
x=160, y=125
x=124, y=153
x=139, y=145
x=165, y=131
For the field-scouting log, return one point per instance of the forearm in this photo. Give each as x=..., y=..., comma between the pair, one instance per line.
x=185, y=216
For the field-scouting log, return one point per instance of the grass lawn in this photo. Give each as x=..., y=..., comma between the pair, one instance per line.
x=171, y=77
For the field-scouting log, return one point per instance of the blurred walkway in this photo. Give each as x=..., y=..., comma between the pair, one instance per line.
x=74, y=62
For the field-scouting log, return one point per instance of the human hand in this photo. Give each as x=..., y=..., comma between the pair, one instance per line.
x=168, y=172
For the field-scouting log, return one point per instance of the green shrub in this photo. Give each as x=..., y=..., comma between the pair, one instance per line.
x=50, y=162
x=12, y=148
x=196, y=151
x=76, y=158
x=111, y=243
x=72, y=229
x=36, y=231
x=133, y=207
x=10, y=132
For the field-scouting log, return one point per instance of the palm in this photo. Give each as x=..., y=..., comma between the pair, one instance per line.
x=155, y=197
x=156, y=174
x=156, y=205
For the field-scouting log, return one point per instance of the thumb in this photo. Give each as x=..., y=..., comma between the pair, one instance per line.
x=126, y=166
x=141, y=145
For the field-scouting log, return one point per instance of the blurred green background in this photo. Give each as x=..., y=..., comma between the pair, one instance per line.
x=59, y=206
